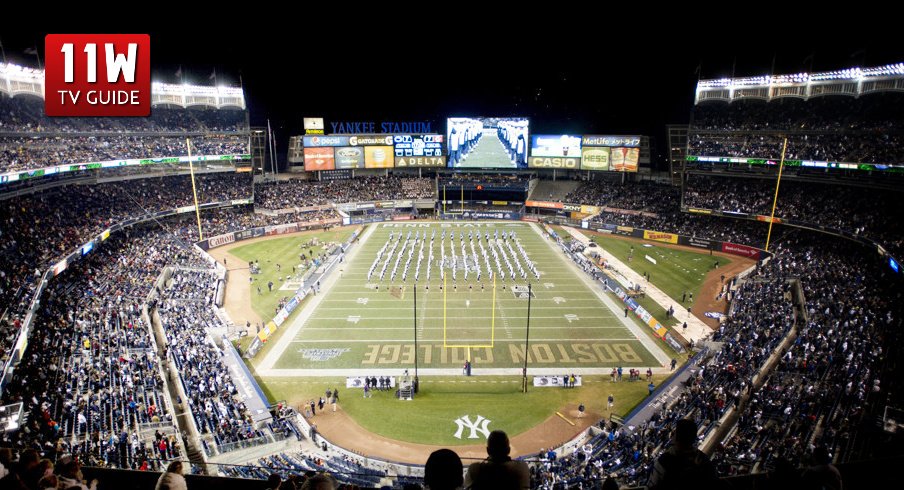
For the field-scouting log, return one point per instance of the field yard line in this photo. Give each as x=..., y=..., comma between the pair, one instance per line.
x=306, y=312
x=364, y=318
x=421, y=328
x=455, y=371
x=629, y=323
x=369, y=301
x=474, y=341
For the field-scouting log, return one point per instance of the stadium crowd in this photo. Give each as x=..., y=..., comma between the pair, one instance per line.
x=186, y=315
x=298, y=193
x=26, y=114
x=644, y=196
x=805, y=202
x=31, y=140
x=867, y=129
x=40, y=228
x=224, y=220
x=34, y=152
x=90, y=378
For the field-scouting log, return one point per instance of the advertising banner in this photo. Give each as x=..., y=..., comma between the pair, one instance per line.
x=554, y=381
x=595, y=158
x=741, y=250
x=378, y=157
x=321, y=141
x=490, y=215
x=555, y=145
x=766, y=219
x=696, y=242
x=660, y=237
x=544, y=204
x=281, y=229
x=625, y=159
x=437, y=161
x=349, y=157
x=568, y=163
x=409, y=146
x=316, y=159
x=371, y=140
x=220, y=240
x=611, y=140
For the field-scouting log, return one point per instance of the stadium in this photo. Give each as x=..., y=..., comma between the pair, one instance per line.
x=178, y=288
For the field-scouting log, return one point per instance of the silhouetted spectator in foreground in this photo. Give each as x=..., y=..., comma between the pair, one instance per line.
x=683, y=465
x=498, y=471
x=443, y=470
x=822, y=474
x=320, y=481
x=172, y=479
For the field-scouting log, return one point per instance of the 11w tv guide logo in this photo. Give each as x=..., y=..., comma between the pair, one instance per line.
x=97, y=75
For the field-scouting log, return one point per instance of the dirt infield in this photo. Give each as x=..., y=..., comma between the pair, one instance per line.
x=712, y=283
x=238, y=292
x=344, y=431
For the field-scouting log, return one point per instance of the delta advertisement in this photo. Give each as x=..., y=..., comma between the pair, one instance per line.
x=419, y=150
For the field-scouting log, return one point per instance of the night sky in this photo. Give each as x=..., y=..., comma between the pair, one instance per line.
x=591, y=78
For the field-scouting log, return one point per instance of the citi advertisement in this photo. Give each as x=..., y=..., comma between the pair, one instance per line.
x=595, y=158
x=349, y=157
x=378, y=156
x=316, y=159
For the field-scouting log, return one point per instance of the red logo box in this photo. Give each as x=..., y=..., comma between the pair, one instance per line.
x=97, y=75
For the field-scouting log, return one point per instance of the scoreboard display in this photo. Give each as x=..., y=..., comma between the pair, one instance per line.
x=419, y=150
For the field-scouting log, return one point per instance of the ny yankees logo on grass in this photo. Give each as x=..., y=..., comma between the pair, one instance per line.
x=478, y=425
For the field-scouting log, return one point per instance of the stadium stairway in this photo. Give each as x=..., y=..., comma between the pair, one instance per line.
x=549, y=190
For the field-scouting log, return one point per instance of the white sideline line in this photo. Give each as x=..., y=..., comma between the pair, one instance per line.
x=633, y=327
x=310, y=328
x=533, y=317
x=482, y=340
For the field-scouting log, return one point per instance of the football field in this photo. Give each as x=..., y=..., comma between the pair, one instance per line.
x=450, y=292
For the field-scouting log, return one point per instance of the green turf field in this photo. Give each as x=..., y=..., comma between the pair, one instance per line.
x=364, y=322
x=676, y=271
x=284, y=251
x=429, y=419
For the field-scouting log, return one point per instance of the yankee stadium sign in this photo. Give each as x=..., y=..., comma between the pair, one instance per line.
x=364, y=127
